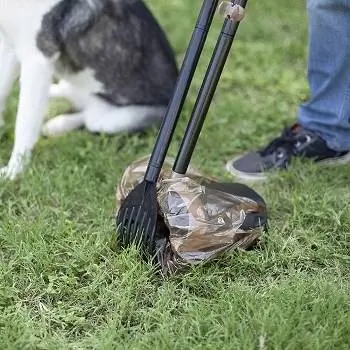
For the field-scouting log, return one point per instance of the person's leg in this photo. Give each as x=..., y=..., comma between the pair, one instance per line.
x=328, y=110
x=323, y=132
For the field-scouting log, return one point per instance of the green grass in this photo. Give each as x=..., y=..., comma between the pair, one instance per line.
x=62, y=287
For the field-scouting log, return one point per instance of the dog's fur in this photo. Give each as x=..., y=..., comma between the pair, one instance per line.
x=111, y=58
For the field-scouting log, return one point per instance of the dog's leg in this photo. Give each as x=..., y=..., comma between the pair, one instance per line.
x=63, y=123
x=64, y=89
x=36, y=76
x=8, y=73
x=102, y=117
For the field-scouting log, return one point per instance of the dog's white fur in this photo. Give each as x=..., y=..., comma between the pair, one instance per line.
x=20, y=21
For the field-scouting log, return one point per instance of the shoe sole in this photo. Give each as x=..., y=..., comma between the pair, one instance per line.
x=241, y=174
x=263, y=176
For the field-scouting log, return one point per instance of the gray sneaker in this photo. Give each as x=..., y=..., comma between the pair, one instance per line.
x=293, y=142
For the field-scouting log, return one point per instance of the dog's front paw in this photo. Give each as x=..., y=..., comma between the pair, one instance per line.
x=62, y=124
x=5, y=173
x=16, y=165
x=10, y=172
x=54, y=127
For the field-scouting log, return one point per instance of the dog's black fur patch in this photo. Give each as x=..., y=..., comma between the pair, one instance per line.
x=120, y=41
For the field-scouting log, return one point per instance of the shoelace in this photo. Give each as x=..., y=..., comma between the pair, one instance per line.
x=287, y=141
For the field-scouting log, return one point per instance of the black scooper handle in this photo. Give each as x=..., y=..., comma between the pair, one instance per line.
x=187, y=71
x=234, y=12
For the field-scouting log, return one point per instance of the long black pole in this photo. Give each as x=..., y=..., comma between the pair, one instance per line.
x=187, y=71
x=207, y=91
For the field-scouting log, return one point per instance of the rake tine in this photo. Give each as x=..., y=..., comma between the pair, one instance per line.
x=141, y=235
x=130, y=221
x=143, y=219
x=137, y=237
x=148, y=225
x=123, y=225
x=136, y=225
x=143, y=222
x=125, y=216
x=152, y=237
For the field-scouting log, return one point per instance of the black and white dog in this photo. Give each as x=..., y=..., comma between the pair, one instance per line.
x=110, y=57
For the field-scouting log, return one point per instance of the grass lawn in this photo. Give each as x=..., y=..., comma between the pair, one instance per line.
x=62, y=287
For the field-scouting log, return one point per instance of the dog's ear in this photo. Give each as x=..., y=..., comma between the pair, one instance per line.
x=69, y=19
x=80, y=16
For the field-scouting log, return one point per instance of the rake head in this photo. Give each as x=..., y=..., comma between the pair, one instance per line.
x=137, y=218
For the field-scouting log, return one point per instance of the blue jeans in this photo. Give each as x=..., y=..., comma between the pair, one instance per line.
x=327, y=113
